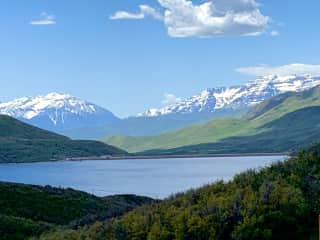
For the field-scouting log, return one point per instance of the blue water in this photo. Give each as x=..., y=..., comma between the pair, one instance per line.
x=157, y=178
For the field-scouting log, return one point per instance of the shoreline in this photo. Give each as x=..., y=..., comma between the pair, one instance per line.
x=155, y=157
x=151, y=157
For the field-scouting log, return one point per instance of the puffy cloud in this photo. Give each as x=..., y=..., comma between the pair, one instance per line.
x=213, y=18
x=45, y=19
x=183, y=18
x=145, y=11
x=170, y=99
x=295, y=68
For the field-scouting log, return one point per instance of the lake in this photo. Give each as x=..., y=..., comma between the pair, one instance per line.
x=156, y=178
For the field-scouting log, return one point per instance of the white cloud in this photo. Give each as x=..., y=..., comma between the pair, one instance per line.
x=170, y=99
x=45, y=19
x=274, y=33
x=213, y=18
x=145, y=11
x=295, y=68
x=183, y=18
x=126, y=15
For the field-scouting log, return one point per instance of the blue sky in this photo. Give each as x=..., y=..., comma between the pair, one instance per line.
x=87, y=48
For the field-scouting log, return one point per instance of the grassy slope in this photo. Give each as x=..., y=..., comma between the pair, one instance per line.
x=219, y=130
x=298, y=129
x=21, y=142
x=144, y=126
x=274, y=203
x=208, y=132
x=27, y=210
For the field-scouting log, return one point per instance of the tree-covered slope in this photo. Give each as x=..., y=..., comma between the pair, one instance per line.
x=274, y=203
x=219, y=131
x=12, y=128
x=27, y=210
x=20, y=142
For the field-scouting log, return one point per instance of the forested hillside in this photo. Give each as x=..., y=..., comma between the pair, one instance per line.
x=277, y=202
x=27, y=210
x=21, y=142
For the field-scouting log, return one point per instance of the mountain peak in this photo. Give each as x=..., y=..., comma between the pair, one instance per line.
x=58, y=95
x=56, y=110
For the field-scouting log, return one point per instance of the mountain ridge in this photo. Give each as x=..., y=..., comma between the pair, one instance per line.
x=217, y=130
x=235, y=97
x=80, y=119
x=21, y=142
x=57, y=111
x=230, y=102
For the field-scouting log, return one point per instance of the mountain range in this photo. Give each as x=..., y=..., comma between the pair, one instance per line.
x=235, y=97
x=282, y=123
x=80, y=119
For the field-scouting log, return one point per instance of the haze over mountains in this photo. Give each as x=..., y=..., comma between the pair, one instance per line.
x=78, y=118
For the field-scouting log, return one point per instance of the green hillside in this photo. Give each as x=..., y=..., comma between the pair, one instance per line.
x=27, y=210
x=143, y=126
x=274, y=203
x=211, y=131
x=282, y=104
x=20, y=142
x=294, y=130
x=223, y=131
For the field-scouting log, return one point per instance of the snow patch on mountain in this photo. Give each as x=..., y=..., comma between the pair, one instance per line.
x=56, y=110
x=235, y=97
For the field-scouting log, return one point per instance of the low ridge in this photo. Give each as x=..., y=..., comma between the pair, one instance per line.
x=21, y=142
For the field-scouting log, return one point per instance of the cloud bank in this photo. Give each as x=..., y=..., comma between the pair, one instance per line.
x=45, y=19
x=295, y=68
x=183, y=18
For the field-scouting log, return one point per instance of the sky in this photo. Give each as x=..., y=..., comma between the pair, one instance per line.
x=128, y=56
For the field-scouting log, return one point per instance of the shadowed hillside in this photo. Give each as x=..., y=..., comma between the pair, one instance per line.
x=27, y=210
x=21, y=142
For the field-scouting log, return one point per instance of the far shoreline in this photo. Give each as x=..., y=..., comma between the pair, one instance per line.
x=151, y=157
x=155, y=157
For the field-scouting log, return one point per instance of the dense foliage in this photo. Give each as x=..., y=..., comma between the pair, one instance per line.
x=27, y=210
x=21, y=142
x=277, y=202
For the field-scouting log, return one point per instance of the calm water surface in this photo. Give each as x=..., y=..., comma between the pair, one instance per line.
x=155, y=178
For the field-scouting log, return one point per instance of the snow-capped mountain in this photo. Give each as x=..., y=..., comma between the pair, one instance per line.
x=57, y=112
x=237, y=97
